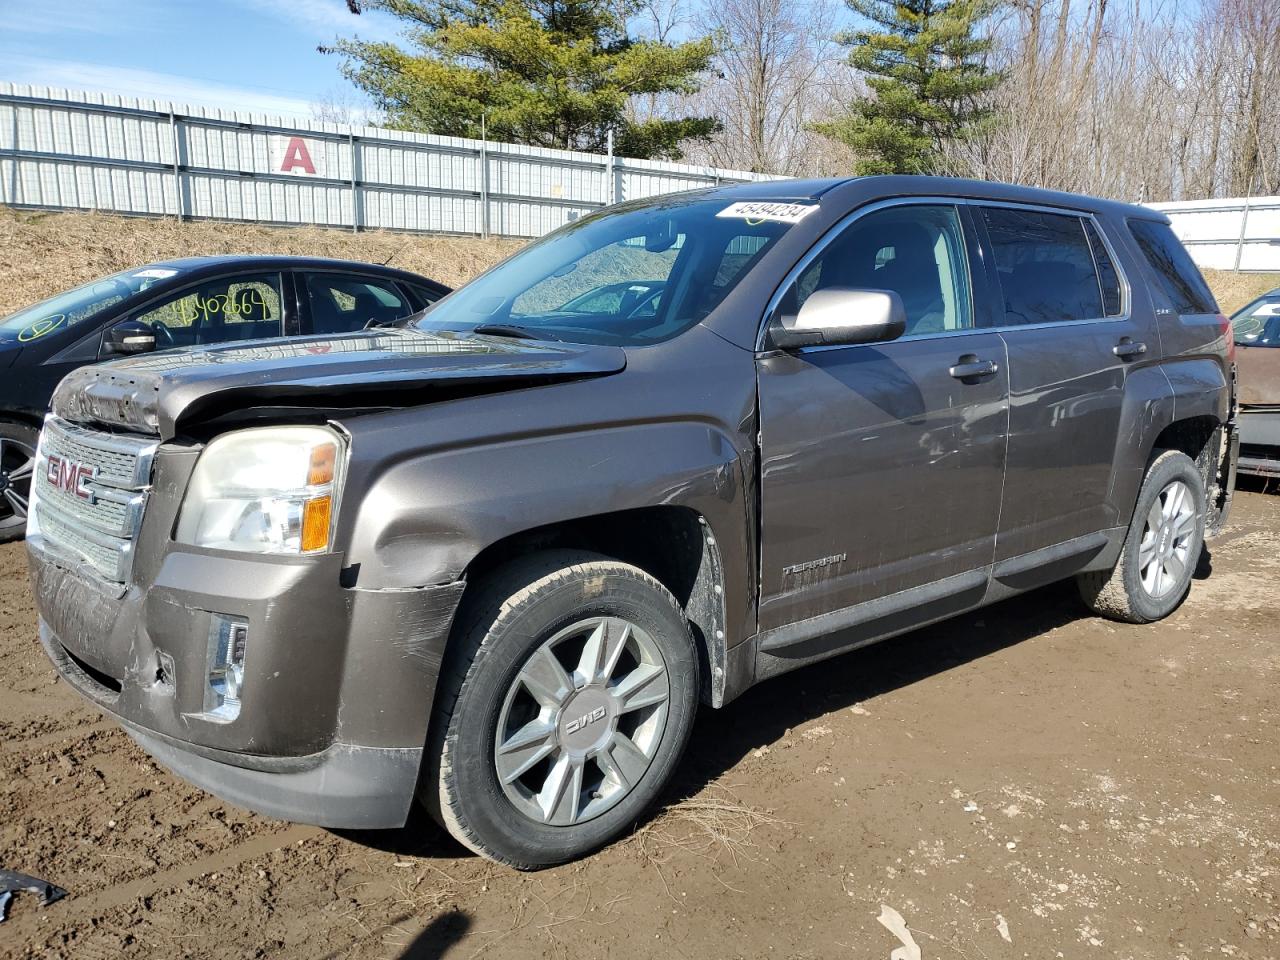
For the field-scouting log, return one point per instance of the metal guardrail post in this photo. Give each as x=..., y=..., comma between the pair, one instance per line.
x=1244, y=225
x=179, y=195
x=484, y=179
x=355, y=187
x=610, y=173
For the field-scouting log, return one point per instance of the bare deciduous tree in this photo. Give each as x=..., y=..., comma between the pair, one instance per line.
x=1133, y=101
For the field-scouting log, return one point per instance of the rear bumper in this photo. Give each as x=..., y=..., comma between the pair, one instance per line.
x=1260, y=441
x=338, y=682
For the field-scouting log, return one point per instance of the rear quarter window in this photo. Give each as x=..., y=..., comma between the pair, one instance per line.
x=1173, y=267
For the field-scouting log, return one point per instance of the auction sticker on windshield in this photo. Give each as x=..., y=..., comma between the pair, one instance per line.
x=757, y=211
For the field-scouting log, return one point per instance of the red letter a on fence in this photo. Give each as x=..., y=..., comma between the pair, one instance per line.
x=296, y=155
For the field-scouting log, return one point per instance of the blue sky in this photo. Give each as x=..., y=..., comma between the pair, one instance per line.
x=257, y=55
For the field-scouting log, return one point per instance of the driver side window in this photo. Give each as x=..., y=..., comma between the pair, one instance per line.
x=224, y=310
x=917, y=252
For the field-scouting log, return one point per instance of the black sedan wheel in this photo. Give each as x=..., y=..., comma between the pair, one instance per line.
x=17, y=463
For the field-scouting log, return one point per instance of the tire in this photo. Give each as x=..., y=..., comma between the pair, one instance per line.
x=1153, y=573
x=576, y=608
x=17, y=460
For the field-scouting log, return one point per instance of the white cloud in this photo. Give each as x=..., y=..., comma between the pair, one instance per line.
x=150, y=84
x=107, y=18
x=327, y=19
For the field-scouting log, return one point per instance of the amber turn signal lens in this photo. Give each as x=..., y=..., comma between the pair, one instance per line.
x=324, y=459
x=316, y=514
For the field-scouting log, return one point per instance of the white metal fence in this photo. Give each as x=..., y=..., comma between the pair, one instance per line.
x=1238, y=234
x=69, y=150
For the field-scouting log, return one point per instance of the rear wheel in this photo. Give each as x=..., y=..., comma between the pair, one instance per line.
x=1161, y=549
x=17, y=464
x=569, y=698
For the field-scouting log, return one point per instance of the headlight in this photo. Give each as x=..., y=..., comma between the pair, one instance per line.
x=265, y=490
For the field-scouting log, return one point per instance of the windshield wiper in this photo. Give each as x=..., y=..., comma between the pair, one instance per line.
x=510, y=330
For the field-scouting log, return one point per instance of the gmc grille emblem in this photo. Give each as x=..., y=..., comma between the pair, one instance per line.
x=585, y=720
x=70, y=476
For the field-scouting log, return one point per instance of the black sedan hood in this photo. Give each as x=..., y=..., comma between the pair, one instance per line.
x=377, y=369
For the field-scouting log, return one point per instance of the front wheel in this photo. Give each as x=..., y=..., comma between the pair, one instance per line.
x=566, y=705
x=1161, y=549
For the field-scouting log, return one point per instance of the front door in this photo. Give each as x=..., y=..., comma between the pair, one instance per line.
x=882, y=464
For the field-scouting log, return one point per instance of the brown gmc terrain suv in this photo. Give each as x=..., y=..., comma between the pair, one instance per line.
x=496, y=556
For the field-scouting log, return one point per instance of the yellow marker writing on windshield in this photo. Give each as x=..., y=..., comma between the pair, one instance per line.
x=38, y=329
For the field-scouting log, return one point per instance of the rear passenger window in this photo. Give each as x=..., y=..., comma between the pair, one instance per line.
x=1046, y=266
x=1173, y=267
x=341, y=304
x=1108, y=276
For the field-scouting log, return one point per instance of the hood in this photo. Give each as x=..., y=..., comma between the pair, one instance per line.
x=9, y=354
x=1258, y=375
x=161, y=393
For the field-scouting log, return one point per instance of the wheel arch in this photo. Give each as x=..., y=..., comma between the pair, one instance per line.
x=673, y=544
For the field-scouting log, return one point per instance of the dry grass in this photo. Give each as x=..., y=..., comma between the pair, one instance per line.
x=44, y=253
x=1234, y=290
x=713, y=825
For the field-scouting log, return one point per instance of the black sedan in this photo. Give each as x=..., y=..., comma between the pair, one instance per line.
x=177, y=303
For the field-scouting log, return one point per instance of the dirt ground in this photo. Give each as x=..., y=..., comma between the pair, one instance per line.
x=1025, y=781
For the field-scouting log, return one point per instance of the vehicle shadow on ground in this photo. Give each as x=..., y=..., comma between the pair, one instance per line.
x=766, y=712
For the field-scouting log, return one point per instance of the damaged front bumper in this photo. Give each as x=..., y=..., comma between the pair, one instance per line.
x=337, y=687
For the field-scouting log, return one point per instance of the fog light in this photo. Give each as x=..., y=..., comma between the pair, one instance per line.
x=228, y=638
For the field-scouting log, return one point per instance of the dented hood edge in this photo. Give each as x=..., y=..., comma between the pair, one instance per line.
x=161, y=394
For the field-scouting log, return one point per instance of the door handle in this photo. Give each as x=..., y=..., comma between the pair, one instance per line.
x=969, y=369
x=1128, y=348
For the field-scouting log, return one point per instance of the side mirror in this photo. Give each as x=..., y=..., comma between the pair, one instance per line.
x=130, y=336
x=841, y=315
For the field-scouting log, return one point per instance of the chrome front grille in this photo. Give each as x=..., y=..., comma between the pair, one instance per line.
x=89, y=494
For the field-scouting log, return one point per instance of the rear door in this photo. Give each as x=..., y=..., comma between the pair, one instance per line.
x=882, y=463
x=1062, y=308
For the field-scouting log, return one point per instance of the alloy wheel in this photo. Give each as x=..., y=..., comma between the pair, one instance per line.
x=582, y=721
x=17, y=463
x=1164, y=553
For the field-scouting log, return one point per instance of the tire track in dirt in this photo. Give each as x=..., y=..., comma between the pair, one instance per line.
x=98, y=903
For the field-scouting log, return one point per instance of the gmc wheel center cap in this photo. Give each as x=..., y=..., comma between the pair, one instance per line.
x=587, y=719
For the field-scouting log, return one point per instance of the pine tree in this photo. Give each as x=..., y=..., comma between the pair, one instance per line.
x=547, y=73
x=925, y=64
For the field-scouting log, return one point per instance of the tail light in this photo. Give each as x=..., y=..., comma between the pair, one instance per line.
x=1227, y=333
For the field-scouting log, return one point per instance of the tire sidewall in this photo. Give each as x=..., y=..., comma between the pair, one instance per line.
x=1166, y=468
x=12, y=430
x=520, y=628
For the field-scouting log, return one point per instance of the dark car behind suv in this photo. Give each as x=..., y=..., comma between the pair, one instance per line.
x=195, y=301
x=498, y=556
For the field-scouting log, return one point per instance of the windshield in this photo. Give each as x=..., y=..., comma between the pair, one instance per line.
x=1258, y=324
x=624, y=276
x=78, y=305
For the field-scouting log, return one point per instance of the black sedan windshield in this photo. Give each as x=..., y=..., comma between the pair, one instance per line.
x=629, y=276
x=78, y=305
x=1258, y=324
